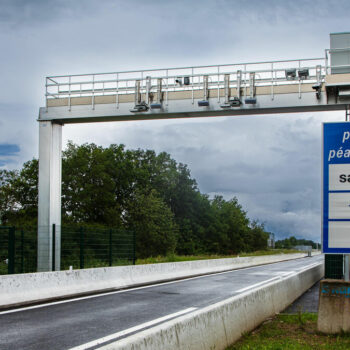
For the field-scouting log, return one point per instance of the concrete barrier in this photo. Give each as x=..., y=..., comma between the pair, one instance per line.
x=35, y=287
x=219, y=325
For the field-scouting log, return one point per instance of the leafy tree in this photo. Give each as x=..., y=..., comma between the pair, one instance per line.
x=153, y=223
x=257, y=237
x=89, y=189
x=136, y=189
x=7, y=199
x=193, y=224
x=229, y=227
x=19, y=195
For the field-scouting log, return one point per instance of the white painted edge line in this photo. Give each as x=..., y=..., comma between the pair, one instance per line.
x=114, y=336
x=281, y=277
x=128, y=290
x=118, y=291
x=125, y=290
x=256, y=285
x=165, y=318
x=218, y=304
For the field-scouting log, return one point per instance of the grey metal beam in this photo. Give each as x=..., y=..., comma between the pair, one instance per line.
x=284, y=103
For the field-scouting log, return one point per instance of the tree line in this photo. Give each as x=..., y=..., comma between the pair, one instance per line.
x=138, y=190
x=291, y=242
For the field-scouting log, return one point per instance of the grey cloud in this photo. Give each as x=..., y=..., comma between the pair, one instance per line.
x=23, y=13
x=19, y=128
x=272, y=164
x=284, y=215
x=145, y=33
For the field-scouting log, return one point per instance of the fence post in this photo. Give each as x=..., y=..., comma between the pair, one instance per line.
x=53, y=247
x=11, y=251
x=81, y=247
x=22, y=251
x=110, y=248
x=133, y=248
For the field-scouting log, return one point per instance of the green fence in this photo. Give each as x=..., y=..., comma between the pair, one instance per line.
x=91, y=247
x=334, y=266
x=17, y=250
x=81, y=247
x=6, y=249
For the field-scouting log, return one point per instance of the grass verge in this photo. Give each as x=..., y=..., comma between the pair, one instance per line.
x=175, y=258
x=294, y=332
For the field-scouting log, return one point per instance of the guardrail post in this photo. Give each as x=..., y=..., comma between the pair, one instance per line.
x=81, y=247
x=110, y=248
x=22, y=251
x=53, y=247
x=346, y=267
x=133, y=248
x=11, y=251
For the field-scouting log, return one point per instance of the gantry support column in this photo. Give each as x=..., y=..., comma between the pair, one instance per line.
x=49, y=206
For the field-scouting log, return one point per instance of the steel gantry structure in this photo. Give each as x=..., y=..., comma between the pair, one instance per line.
x=301, y=85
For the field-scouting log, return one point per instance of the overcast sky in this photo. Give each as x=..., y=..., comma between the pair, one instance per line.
x=272, y=164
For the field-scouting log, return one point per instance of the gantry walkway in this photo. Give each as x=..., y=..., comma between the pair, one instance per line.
x=232, y=89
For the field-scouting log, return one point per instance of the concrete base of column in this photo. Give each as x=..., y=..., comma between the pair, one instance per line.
x=334, y=307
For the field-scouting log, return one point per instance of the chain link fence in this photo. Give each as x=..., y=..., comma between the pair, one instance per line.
x=81, y=247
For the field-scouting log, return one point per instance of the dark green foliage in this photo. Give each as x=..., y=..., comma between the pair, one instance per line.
x=153, y=223
x=139, y=190
x=19, y=195
x=89, y=186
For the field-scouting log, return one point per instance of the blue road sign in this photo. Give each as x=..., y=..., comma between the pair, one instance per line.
x=336, y=188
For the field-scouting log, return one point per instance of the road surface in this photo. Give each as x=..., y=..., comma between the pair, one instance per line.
x=87, y=322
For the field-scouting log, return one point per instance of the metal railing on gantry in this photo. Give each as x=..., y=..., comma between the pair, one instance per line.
x=214, y=77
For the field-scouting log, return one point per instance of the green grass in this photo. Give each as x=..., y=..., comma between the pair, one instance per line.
x=294, y=332
x=176, y=258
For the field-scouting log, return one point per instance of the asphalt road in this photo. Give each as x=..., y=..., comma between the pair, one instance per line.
x=86, y=322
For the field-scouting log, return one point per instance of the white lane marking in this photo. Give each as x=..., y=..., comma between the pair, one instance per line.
x=252, y=286
x=131, y=330
x=132, y=289
x=118, y=291
x=283, y=275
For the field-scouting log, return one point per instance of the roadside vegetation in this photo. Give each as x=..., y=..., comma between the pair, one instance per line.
x=290, y=242
x=292, y=332
x=140, y=191
x=137, y=191
x=176, y=258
